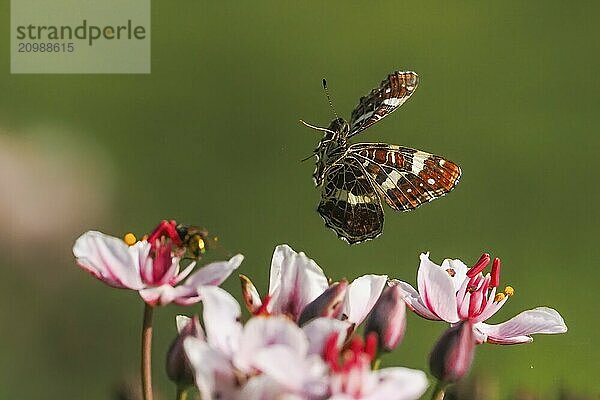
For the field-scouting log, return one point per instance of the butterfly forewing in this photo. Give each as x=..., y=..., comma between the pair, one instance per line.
x=349, y=202
x=405, y=177
x=382, y=101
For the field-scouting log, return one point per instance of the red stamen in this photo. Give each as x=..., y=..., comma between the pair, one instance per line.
x=371, y=345
x=475, y=303
x=331, y=353
x=356, y=345
x=480, y=265
x=262, y=310
x=495, y=273
x=165, y=228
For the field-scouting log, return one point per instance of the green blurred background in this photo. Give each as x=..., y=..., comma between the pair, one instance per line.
x=508, y=90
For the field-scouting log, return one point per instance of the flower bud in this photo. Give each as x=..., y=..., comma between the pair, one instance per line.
x=250, y=294
x=178, y=367
x=388, y=319
x=328, y=304
x=452, y=355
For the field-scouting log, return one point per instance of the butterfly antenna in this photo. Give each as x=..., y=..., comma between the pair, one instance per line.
x=329, y=98
x=317, y=128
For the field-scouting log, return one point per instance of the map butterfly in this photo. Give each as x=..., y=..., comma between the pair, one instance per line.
x=357, y=178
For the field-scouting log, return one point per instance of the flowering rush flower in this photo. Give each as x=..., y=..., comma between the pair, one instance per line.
x=297, y=284
x=150, y=266
x=235, y=361
x=453, y=292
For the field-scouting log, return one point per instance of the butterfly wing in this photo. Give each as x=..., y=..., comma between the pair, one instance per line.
x=382, y=101
x=349, y=202
x=405, y=177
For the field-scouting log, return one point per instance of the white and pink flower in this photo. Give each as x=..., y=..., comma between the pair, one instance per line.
x=296, y=281
x=271, y=358
x=152, y=269
x=453, y=292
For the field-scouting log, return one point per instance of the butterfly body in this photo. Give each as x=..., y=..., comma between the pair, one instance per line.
x=356, y=178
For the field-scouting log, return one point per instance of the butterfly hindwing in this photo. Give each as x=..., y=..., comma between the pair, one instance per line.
x=382, y=101
x=405, y=177
x=349, y=203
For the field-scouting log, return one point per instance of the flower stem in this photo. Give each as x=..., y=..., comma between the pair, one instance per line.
x=182, y=393
x=439, y=391
x=146, y=365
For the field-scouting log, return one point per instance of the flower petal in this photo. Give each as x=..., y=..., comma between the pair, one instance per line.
x=413, y=300
x=109, y=259
x=361, y=296
x=300, y=375
x=459, y=274
x=517, y=329
x=159, y=295
x=399, y=384
x=262, y=332
x=214, y=273
x=320, y=329
x=212, y=370
x=295, y=281
x=221, y=314
x=437, y=290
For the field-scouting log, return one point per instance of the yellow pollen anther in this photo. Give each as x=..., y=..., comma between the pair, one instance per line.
x=130, y=239
x=499, y=297
x=509, y=291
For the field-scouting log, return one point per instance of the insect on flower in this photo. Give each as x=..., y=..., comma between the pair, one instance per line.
x=192, y=241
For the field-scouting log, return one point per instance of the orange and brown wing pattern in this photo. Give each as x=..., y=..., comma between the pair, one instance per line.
x=383, y=100
x=405, y=177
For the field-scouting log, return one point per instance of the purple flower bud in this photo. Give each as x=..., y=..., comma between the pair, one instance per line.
x=328, y=304
x=388, y=319
x=452, y=355
x=178, y=367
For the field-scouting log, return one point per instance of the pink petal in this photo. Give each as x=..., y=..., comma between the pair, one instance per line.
x=295, y=281
x=221, y=315
x=437, y=290
x=320, y=329
x=212, y=369
x=460, y=271
x=262, y=332
x=300, y=374
x=399, y=384
x=517, y=329
x=361, y=296
x=413, y=300
x=159, y=295
x=263, y=387
x=109, y=259
x=214, y=273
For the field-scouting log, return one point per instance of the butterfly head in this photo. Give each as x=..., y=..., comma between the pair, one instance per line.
x=340, y=127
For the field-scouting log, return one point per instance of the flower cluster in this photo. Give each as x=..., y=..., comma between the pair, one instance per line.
x=298, y=343
x=301, y=340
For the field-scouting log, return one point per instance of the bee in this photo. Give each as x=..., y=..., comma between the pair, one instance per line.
x=194, y=240
x=190, y=241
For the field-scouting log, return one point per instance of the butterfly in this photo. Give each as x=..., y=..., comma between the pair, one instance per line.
x=357, y=178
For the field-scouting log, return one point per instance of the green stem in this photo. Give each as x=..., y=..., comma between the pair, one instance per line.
x=376, y=364
x=439, y=391
x=146, y=365
x=182, y=393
